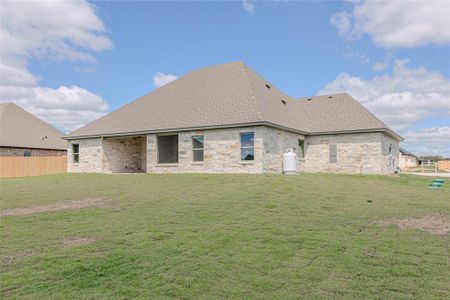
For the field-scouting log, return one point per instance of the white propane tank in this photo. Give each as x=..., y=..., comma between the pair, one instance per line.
x=289, y=162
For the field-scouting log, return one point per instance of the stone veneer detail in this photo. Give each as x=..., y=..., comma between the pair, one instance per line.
x=276, y=143
x=90, y=156
x=356, y=153
x=222, y=152
x=124, y=155
x=390, y=160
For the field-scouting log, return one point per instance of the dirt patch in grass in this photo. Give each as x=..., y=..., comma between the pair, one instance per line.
x=53, y=207
x=434, y=224
x=77, y=242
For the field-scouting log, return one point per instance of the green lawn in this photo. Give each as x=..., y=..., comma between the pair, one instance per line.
x=224, y=237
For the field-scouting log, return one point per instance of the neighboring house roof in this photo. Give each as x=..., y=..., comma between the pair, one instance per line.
x=405, y=152
x=231, y=95
x=19, y=128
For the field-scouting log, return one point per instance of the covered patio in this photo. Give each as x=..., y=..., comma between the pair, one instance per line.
x=125, y=154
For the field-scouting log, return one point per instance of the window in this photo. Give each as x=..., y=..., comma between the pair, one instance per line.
x=301, y=146
x=333, y=153
x=247, y=146
x=390, y=148
x=197, y=148
x=76, y=152
x=167, y=149
x=27, y=153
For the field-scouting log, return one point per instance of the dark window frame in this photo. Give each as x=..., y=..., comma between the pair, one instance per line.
x=198, y=149
x=176, y=151
x=302, y=148
x=76, y=154
x=333, y=153
x=244, y=148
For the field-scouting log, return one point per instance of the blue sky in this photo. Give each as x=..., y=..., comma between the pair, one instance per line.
x=106, y=54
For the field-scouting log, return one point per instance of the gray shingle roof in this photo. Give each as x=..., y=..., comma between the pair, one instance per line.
x=406, y=152
x=336, y=112
x=19, y=128
x=231, y=94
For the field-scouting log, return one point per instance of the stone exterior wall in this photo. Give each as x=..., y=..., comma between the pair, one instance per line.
x=222, y=152
x=12, y=151
x=90, y=159
x=123, y=155
x=144, y=154
x=390, y=158
x=356, y=153
x=276, y=143
x=407, y=161
x=366, y=153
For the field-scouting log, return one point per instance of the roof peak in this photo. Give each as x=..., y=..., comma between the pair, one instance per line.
x=21, y=128
x=5, y=104
x=227, y=94
x=324, y=96
x=229, y=63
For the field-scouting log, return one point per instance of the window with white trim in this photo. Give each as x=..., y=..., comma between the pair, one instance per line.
x=198, y=148
x=248, y=146
x=75, y=153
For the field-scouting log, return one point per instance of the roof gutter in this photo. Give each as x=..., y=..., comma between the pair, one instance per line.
x=384, y=130
x=269, y=124
x=144, y=132
x=35, y=148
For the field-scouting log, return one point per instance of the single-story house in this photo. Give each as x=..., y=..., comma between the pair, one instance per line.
x=23, y=134
x=407, y=159
x=226, y=118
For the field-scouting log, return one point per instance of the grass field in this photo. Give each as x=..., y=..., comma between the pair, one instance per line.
x=222, y=237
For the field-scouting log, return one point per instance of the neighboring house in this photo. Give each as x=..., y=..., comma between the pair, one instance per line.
x=226, y=118
x=23, y=134
x=407, y=159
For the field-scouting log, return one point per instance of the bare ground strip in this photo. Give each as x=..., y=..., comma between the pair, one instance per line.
x=434, y=224
x=52, y=207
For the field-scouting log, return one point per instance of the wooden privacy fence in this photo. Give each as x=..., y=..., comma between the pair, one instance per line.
x=17, y=166
x=444, y=165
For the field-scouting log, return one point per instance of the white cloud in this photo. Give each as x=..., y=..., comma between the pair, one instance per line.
x=379, y=66
x=400, y=99
x=160, y=79
x=16, y=76
x=68, y=107
x=249, y=5
x=342, y=21
x=54, y=30
x=396, y=24
x=429, y=141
